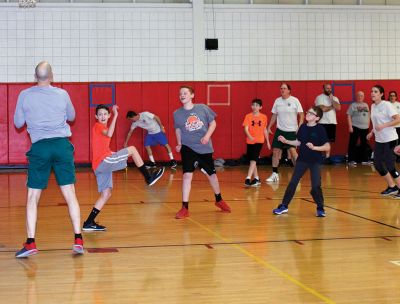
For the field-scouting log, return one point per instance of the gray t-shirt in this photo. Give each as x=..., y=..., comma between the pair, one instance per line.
x=194, y=125
x=359, y=113
x=45, y=110
x=147, y=122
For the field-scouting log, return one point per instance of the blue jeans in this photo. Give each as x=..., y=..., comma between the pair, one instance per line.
x=316, y=191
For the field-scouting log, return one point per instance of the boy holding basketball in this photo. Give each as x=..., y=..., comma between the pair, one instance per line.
x=194, y=125
x=104, y=162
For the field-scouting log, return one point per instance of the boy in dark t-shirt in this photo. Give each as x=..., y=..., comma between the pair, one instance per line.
x=312, y=141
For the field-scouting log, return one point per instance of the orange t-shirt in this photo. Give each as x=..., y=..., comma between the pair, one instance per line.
x=257, y=125
x=100, y=144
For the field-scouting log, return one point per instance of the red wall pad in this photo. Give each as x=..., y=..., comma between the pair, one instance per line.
x=3, y=125
x=128, y=98
x=18, y=139
x=230, y=100
x=80, y=128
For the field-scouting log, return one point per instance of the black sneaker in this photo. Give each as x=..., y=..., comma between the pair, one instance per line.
x=173, y=164
x=150, y=165
x=93, y=227
x=390, y=191
x=155, y=176
x=247, y=182
x=255, y=183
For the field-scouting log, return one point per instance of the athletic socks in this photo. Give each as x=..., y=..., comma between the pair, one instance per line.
x=30, y=240
x=151, y=158
x=275, y=169
x=171, y=157
x=78, y=235
x=185, y=204
x=218, y=197
x=144, y=172
x=92, y=215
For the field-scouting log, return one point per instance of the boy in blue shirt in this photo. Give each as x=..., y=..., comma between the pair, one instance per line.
x=312, y=141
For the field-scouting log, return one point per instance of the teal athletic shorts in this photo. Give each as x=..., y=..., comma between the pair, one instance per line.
x=51, y=153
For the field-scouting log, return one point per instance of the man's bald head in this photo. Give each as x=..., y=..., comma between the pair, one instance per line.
x=43, y=71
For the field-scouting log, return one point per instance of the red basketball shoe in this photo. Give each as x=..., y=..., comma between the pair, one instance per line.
x=223, y=206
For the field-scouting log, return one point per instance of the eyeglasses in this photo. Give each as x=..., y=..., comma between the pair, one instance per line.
x=312, y=113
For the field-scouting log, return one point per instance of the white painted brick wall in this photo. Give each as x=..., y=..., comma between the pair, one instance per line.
x=134, y=43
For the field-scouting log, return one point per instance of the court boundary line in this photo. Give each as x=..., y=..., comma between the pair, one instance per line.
x=219, y=243
x=356, y=215
x=63, y=204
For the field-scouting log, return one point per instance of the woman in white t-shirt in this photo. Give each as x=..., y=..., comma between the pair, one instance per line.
x=396, y=104
x=384, y=119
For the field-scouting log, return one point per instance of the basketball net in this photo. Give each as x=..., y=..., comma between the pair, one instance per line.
x=26, y=3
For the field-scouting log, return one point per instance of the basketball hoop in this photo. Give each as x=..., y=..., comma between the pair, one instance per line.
x=26, y=3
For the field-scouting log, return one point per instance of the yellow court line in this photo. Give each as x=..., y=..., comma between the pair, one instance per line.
x=261, y=261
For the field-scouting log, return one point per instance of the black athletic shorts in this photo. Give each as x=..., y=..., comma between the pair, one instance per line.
x=253, y=151
x=191, y=160
x=330, y=131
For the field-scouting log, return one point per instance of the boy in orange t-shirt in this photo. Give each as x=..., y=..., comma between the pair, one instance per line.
x=105, y=162
x=255, y=127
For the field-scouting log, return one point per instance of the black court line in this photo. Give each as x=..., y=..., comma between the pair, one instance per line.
x=327, y=196
x=204, y=200
x=208, y=245
x=351, y=190
x=355, y=215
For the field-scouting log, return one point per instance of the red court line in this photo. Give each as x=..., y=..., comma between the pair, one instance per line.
x=102, y=250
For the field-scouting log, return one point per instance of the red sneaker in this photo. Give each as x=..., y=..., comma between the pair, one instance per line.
x=27, y=250
x=78, y=246
x=223, y=206
x=182, y=213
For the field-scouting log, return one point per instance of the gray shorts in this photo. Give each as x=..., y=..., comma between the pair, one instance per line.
x=114, y=162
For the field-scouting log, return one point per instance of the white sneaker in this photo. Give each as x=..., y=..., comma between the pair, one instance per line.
x=367, y=163
x=274, y=178
x=352, y=163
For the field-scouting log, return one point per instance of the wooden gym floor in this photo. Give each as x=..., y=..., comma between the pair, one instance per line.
x=248, y=256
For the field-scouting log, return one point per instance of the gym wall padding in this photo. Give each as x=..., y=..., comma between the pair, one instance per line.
x=79, y=127
x=18, y=139
x=3, y=125
x=162, y=98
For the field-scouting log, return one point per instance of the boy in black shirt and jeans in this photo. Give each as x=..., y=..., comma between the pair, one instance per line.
x=312, y=141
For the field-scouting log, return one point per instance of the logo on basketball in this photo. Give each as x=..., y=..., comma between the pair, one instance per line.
x=193, y=123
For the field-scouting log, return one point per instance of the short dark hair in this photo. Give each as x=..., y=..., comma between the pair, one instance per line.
x=257, y=101
x=191, y=90
x=393, y=92
x=318, y=111
x=102, y=106
x=130, y=114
